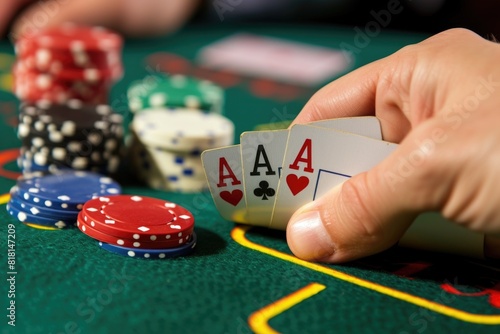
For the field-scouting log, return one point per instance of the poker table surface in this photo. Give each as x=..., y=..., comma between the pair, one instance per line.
x=239, y=279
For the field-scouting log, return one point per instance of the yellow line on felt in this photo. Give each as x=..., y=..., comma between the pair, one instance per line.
x=4, y=198
x=258, y=320
x=238, y=234
x=6, y=82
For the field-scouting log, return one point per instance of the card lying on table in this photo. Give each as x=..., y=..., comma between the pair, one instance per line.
x=271, y=174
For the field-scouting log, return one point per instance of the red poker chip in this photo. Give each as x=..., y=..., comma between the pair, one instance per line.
x=88, y=75
x=44, y=60
x=139, y=217
x=31, y=87
x=75, y=38
x=87, y=229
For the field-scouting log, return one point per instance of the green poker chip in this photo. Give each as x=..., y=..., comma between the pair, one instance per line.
x=156, y=91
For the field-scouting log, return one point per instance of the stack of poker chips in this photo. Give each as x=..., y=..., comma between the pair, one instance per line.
x=54, y=201
x=176, y=118
x=167, y=144
x=70, y=136
x=138, y=226
x=157, y=91
x=67, y=62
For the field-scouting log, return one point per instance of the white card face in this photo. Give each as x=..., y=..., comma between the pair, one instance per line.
x=368, y=126
x=274, y=58
x=262, y=155
x=318, y=159
x=225, y=180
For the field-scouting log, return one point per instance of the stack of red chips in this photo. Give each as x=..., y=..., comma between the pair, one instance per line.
x=67, y=62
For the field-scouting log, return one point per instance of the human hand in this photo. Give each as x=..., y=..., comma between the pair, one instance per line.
x=439, y=99
x=129, y=17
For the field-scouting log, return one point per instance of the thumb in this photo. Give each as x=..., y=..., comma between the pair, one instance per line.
x=369, y=212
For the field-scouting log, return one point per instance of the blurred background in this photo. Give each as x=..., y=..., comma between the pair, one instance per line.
x=157, y=17
x=428, y=16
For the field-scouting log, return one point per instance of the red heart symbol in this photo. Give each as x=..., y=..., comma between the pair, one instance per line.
x=233, y=197
x=296, y=184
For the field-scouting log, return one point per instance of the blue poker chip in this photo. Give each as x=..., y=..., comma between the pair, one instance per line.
x=67, y=190
x=184, y=250
x=40, y=210
x=27, y=217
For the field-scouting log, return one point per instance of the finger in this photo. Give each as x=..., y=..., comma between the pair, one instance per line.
x=370, y=212
x=8, y=9
x=130, y=17
x=350, y=95
x=364, y=92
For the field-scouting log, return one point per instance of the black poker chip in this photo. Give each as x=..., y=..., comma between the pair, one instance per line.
x=75, y=145
x=70, y=117
x=70, y=136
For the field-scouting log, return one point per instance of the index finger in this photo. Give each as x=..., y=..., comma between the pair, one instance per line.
x=356, y=94
x=350, y=95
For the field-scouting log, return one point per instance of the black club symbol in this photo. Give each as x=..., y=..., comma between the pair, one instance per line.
x=264, y=190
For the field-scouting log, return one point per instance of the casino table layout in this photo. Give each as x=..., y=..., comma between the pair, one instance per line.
x=239, y=279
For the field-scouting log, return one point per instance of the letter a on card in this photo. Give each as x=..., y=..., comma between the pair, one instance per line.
x=295, y=182
x=225, y=180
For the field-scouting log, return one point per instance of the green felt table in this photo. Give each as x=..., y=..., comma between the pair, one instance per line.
x=239, y=279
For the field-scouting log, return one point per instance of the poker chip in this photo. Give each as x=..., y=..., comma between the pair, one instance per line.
x=86, y=228
x=184, y=250
x=158, y=91
x=67, y=190
x=71, y=118
x=44, y=162
x=72, y=135
x=89, y=75
x=46, y=59
x=178, y=130
x=32, y=86
x=173, y=164
x=26, y=217
x=67, y=62
x=139, y=218
x=41, y=211
x=168, y=171
x=166, y=145
x=75, y=38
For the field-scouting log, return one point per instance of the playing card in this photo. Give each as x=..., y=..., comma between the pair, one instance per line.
x=262, y=155
x=274, y=58
x=224, y=175
x=318, y=159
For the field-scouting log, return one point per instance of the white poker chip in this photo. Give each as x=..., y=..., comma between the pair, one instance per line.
x=175, y=163
x=180, y=175
x=182, y=130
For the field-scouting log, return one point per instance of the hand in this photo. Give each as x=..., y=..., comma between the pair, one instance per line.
x=440, y=99
x=130, y=17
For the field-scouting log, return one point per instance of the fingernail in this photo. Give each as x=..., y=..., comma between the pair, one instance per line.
x=307, y=237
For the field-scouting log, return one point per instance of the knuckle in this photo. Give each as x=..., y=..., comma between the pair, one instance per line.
x=455, y=33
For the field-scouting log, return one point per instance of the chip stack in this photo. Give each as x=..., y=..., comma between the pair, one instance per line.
x=156, y=91
x=167, y=144
x=54, y=201
x=67, y=62
x=75, y=136
x=138, y=226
